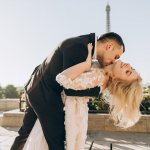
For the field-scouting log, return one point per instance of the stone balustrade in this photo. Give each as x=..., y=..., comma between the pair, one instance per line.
x=96, y=123
x=101, y=122
x=9, y=104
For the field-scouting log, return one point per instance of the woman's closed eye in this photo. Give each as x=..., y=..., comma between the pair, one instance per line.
x=128, y=72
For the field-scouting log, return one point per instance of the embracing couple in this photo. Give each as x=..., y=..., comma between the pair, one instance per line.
x=59, y=89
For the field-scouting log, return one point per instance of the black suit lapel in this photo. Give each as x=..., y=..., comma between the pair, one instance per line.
x=92, y=40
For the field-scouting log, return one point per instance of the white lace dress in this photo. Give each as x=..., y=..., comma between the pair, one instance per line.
x=76, y=112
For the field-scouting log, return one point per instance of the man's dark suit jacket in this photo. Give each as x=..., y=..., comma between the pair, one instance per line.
x=70, y=52
x=44, y=92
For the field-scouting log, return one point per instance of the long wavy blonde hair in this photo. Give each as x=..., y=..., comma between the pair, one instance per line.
x=125, y=102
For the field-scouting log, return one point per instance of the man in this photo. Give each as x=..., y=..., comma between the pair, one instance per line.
x=44, y=93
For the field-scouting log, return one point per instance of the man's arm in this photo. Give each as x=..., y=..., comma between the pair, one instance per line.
x=74, y=54
x=74, y=71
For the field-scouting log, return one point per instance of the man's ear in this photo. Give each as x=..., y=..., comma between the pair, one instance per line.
x=109, y=46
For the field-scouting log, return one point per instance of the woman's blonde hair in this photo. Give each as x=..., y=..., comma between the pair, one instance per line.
x=125, y=102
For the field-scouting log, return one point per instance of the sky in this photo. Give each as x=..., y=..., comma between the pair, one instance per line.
x=31, y=29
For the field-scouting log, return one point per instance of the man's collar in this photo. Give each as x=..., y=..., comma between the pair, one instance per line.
x=95, y=48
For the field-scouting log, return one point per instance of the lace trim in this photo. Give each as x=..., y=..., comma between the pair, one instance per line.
x=94, y=77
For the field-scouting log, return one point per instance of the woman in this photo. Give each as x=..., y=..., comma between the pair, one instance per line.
x=120, y=79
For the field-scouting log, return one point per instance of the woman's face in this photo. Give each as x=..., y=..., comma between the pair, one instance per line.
x=123, y=71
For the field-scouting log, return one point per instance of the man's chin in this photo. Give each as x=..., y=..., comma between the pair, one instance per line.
x=101, y=63
x=106, y=64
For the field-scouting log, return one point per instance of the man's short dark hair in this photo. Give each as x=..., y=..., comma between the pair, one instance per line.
x=112, y=36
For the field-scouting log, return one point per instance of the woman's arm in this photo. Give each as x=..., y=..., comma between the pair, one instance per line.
x=76, y=78
x=74, y=71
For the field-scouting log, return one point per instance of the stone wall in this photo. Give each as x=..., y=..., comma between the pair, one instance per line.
x=101, y=122
x=12, y=118
x=96, y=123
x=9, y=104
x=1, y=120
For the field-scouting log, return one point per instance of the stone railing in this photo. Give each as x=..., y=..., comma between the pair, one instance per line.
x=96, y=123
x=13, y=118
x=101, y=122
x=9, y=104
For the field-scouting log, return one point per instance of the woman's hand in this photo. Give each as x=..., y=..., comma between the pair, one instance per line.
x=89, y=57
x=90, y=47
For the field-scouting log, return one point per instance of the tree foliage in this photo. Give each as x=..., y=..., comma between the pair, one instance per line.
x=1, y=92
x=11, y=92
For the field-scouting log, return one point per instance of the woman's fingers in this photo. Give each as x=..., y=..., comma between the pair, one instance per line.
x=90, y=47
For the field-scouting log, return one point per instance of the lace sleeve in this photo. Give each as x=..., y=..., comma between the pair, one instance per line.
x=86, y=80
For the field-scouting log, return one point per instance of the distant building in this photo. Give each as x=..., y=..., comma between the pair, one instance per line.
x=107, y=17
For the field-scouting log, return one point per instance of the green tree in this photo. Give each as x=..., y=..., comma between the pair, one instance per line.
x=1, y=92
x=97, y=104
x=11, y=92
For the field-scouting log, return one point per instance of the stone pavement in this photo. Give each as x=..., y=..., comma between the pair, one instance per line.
x=120, y=141
x=102, y=140
x=7, y=136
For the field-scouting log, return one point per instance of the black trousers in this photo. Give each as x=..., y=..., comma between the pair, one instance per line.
x=51, y=116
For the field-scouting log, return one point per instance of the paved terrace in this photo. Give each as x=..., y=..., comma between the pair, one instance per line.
x=119, y=140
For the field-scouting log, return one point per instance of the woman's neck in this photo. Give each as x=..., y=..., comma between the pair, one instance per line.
x=108, y=70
